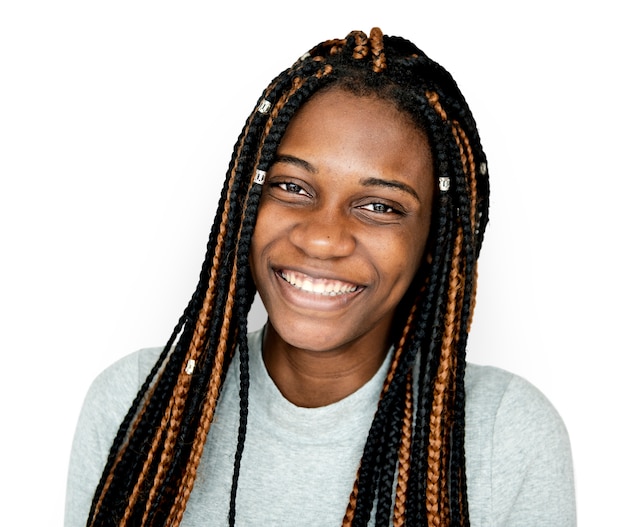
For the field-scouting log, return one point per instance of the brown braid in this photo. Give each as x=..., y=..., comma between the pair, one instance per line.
x=361, y=45
x=469, y=167
x=379, y=62
x=433, y=99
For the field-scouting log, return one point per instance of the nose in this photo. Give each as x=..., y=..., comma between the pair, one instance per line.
x=323, y=235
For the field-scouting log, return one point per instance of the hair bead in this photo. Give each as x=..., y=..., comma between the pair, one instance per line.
x=259, y=177
x=264, y=106
x=191, y=365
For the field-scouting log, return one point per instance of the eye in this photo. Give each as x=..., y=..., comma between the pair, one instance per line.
x=292, y=188
x=288, y=190
x=380, y=208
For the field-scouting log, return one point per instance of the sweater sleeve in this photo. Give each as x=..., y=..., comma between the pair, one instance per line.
x=532, y=475
x=105, y=405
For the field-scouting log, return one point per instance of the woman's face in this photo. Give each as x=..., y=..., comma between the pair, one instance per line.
x=343, y=221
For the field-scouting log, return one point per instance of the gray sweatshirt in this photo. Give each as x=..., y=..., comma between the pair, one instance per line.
x=299, y=464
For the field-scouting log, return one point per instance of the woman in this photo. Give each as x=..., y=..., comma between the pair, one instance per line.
x=355, y=204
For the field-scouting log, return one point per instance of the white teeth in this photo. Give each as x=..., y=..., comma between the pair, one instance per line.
x=320, y=286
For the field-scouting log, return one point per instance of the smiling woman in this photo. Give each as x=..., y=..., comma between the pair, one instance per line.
x=340, y=235
x=355, y=204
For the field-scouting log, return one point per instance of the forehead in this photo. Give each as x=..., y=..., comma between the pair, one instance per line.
x=337, y=104
x=364, y=135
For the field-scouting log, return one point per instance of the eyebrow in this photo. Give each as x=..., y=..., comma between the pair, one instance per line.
x=291, y=160
x=390, y=183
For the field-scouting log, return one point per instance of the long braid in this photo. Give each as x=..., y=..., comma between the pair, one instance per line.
x=404, y=457
x=413, y=464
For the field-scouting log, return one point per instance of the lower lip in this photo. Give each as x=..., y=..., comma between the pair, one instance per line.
x=314, y=301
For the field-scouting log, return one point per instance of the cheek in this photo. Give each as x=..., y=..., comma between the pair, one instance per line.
x=405, y=257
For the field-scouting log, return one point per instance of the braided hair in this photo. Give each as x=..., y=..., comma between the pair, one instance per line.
x=412, y=470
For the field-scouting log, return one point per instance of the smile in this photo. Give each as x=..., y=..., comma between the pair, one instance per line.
x=320, y=286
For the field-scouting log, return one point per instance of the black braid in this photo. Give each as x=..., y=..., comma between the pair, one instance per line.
x=389, y=456
x=246, y=294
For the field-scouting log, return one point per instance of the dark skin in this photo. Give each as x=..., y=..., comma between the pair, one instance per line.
x=342, y=228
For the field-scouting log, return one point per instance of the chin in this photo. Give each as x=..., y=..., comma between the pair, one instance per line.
x=311, y=335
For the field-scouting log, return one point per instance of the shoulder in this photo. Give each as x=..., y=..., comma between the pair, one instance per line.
x=104, y=408
x=518, y=456
x=112, y=392
x=126, y=374
x=509, y=404
x=114, y=389
x=110, y=396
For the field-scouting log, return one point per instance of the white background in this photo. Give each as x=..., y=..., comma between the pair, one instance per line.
x=117, y=121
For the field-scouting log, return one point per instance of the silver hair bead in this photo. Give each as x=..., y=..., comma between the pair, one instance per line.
x=444, y=184
x=264, y=106
x=483, y=168
x=259, y=177
x=191, y=364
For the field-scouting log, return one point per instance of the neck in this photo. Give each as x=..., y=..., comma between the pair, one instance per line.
x=314, y=378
